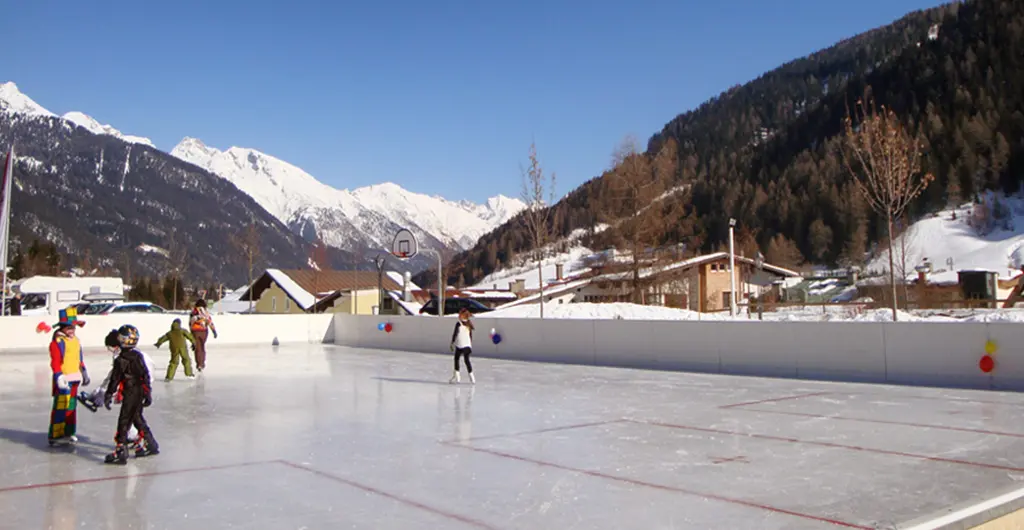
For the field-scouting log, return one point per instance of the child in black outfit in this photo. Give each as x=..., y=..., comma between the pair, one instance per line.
x=132, y=375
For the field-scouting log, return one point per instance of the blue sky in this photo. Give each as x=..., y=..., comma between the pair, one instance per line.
x=441, y=97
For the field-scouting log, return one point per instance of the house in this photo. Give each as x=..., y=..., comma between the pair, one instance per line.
x=700, y=283
x=291, y=291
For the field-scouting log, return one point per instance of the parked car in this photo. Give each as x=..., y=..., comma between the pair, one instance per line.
x=453, y=305
x=109, y=308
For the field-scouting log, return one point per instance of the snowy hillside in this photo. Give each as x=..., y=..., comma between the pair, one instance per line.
x=14, y=101
x=998, y=245
x=369, y=216
x=571, y=255
x=95, y=127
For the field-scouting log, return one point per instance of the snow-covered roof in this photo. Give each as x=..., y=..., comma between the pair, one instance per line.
x=302, y=297
x=553, y=290
x=399, y=278
x=697, y=260
x=489, y=295
x=413, y=308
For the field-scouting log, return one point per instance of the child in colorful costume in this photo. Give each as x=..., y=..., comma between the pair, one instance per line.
x=132, y=377
x=69, y=372
x=200, y=321
x=177, y=336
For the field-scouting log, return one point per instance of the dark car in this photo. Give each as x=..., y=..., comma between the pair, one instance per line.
x=453, y=305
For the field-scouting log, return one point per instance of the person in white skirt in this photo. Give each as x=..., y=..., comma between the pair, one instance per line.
x=462, y=345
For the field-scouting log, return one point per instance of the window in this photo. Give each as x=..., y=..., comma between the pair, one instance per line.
x=389, y=304
x=726, y=301
x=273, y=304
x=287, y=304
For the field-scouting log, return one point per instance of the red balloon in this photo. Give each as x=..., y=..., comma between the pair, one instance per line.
x=43, y=327
x=987, y=364
x=387, y=327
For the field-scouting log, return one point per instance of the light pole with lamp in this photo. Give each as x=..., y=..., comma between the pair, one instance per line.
x=732, y=268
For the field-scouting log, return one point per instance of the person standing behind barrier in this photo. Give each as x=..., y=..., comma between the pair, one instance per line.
x=202, y=324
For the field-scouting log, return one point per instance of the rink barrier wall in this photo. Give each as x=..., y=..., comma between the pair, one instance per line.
x=910, y=353
x=19, y=333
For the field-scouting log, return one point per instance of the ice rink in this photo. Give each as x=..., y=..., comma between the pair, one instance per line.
x=319, y=436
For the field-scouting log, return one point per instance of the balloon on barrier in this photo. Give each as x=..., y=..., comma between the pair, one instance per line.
x=380, y=326
x=387, y=327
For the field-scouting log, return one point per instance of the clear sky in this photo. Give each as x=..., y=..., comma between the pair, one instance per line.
x=442, y=97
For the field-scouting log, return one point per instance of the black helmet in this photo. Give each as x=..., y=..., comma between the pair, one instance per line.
x=128, y=336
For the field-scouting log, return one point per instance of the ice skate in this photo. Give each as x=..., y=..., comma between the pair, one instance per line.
x=455, y=378
x=472, y=378
x=119, y=456
x=86, y=400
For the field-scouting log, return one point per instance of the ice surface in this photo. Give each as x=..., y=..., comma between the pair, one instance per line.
x=319, y=436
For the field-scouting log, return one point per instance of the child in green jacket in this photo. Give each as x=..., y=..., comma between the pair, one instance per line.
x=177, y=336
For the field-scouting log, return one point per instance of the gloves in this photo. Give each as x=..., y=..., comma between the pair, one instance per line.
x=62, y=383
x=85, y=377
x=214, y=333
x=107, y=398
x=157, y=345
x=452, y=347
x=147, y=399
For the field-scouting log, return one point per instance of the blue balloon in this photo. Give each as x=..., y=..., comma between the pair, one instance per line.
x=496, y=338
x=380, y=326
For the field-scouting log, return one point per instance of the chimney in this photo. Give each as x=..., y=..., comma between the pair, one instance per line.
x=518, y=286
x=406, y=282
x=558, y=271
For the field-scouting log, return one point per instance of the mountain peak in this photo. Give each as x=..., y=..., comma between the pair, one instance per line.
x=90, y=124
x=13, y=100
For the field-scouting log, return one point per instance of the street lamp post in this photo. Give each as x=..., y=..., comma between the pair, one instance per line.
x=732, y=268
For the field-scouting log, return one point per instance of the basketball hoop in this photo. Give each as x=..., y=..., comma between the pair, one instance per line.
x=404, y=245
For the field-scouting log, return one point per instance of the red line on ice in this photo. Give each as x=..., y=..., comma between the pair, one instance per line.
x=773, y=400
x=888, y=422
x=829, y=444
x=540, y=431
x=403, y=500
x=663, y=487
x=122, y=477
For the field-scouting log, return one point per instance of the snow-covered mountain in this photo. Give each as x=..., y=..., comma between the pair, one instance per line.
x=13, y=101
x=95, y=127
x=367, y=216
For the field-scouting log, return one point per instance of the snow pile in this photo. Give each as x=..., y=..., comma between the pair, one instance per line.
x=372, y=213
x=150, y=249
x=95, y=127
x=941, y=238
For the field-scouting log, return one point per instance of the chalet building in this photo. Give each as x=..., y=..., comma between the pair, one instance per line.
x=700, y=284
x=280, y=291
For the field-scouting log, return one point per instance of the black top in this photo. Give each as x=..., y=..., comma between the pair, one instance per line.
x=129, y=368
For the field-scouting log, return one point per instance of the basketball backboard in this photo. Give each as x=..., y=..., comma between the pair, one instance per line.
x=404, y=245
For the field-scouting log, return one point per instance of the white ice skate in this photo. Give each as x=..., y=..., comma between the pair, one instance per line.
x=455, y=378
x=472, y=378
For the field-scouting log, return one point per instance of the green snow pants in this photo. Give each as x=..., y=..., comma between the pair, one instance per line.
x=185, y=359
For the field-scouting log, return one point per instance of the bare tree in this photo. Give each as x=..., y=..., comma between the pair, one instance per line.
x=248, y=246
x=633, y=201
x=537, y=215
x=317, y=261
x=885, y=162
x=177, y=261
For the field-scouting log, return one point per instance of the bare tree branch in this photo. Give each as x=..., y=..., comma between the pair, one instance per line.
x=885, y=162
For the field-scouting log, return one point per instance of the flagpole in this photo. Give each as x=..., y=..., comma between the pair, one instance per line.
x=5, y=219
